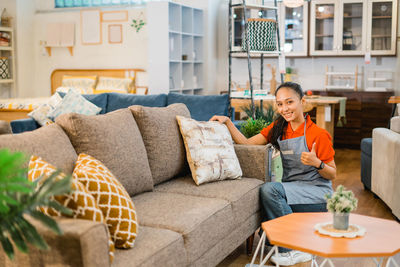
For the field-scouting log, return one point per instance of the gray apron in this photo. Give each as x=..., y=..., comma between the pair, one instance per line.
x=302, y=183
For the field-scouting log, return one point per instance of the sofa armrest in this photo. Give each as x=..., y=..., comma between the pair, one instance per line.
x=24, y=125
x=5, y=127
x=385, y=173
x=84, y=243
x=253, y=160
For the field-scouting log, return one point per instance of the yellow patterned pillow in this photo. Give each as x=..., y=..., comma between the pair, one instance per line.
x=112, y=198
x=85, y=84
x=80, y=201
x=116, y=85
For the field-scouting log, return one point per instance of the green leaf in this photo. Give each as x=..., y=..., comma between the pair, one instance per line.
x=7, y=246
x=17, y=237
x=31, y=235
x=57, y=206
x=46, y=220
x=15, y=187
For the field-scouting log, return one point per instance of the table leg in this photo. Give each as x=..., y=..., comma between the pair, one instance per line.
x=321, y=122
x=378, y=264
x=260, y=246
x=327, y=260
x=391, y=259
x=314, y=261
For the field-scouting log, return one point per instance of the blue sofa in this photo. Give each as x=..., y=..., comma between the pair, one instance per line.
x=201, y=107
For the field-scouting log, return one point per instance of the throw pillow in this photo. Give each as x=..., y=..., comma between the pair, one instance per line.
x=164, y=145
x=116, y=85
x=65, y=90
x=80, y=201
x=112, y=198
x=85, y=84
x=40, y=114
x=74, y=103
x=209, y=150
x=114, y=139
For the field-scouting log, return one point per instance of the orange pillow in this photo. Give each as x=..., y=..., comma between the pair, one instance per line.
x=80, y=201
x=112, y=199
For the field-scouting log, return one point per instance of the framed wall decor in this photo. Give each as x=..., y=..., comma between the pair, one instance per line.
x=114, y=16
x=115, y=33
x=91, y=27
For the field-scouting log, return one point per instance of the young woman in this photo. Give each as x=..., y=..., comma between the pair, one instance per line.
x=307, y=158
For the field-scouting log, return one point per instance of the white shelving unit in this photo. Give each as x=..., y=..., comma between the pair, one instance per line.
x=176, y=48
x=9, y=53
x=380, y=80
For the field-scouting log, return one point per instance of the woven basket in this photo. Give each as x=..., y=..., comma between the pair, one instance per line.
x=262, y=35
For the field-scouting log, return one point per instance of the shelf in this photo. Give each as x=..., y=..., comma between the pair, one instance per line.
x=377, y=89
x=5, y=48
x=257, y=52
x=174, y=32
x=5, y=29
x=352, y=17
x=252, y=6
x=325, y=18
x=379, y=79
x=339, y=87
x=324, y=35
x=341, y=73
x=381, y=36
x=6, y=81
x=381, y=17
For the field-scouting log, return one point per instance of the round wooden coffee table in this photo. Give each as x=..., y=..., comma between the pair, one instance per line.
x=296, y=231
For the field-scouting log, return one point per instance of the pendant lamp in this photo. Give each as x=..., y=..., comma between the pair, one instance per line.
x=293, y=3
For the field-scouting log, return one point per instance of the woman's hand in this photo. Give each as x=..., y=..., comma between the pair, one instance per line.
x=220, y=119
x=310, y=158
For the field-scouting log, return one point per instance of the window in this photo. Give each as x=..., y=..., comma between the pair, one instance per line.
x=91, y=3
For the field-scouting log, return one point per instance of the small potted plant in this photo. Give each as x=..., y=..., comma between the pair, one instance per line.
x=341, y=203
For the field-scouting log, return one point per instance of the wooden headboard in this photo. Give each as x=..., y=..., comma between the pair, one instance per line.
x=57, y=75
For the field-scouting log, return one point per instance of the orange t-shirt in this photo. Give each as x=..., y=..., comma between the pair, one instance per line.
x=314, y=134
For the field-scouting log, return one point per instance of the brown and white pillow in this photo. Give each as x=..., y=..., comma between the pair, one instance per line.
x=209, y=150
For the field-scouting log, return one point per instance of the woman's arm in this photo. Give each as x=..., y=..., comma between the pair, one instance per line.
x=310, y=158
x=237, y=136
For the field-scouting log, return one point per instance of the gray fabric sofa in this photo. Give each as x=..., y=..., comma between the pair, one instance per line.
x=385, y=176
x=180, y=224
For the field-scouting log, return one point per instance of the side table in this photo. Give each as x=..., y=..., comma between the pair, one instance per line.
x=296, y=231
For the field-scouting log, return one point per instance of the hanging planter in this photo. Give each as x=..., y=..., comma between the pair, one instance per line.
x=261, y=34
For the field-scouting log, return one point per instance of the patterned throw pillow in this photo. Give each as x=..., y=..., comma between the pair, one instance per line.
x=40, y=114
x=112, y=198
x=209, y=150
x=77, y=90
x=80, y=201
x=84, y=83
x=116, y=85
x=76, y=103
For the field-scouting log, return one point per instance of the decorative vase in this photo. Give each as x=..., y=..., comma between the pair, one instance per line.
x=341, y=221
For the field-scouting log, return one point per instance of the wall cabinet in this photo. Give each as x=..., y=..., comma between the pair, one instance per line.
x=176, y=48
x=293, y=28
x=353, y=27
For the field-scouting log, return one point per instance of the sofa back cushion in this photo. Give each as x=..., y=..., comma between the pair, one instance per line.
x=49, y=142
x=202, y=107
x=395, y=124
x=99, y=100
x=115, y=140
x=117, y=101
x=163, y=141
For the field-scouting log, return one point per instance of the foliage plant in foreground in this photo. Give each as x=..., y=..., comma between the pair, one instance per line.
x=252, y=127
x=20, y=198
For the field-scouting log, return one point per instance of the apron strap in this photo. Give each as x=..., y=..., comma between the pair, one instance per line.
x=305, y=127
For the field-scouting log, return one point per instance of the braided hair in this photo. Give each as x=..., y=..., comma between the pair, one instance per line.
x=280, y=123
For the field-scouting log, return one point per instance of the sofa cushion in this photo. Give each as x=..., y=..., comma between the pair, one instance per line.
x=5, y=127
x=154, y=247
x=99, y=100
x=49, y=142
x=162, y=139
x=202, y=107
x=243, y=194
x=79, y=200
x=395, y=124
x=366, y=146
x=209, y=150
x=201, y=221
x=111, y=197
x=118, y=101
x=24, y=125
x=115, y=140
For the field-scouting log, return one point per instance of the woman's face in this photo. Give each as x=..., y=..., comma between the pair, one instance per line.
x=289, y=104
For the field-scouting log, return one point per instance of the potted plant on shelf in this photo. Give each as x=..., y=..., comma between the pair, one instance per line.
x=341, y=203
x=20, y=199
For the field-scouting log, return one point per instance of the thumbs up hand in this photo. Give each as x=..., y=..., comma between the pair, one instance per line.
x=310, y=158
